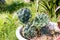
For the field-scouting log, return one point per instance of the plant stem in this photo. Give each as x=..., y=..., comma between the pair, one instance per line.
x=37, y=6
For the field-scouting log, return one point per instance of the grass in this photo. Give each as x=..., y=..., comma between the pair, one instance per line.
x=8, y=25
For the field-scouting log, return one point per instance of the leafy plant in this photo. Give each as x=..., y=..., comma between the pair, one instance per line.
x=50, y=6
x=8, y=26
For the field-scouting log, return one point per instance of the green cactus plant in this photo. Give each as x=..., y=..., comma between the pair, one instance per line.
x=32, y=28
x=41, y=20
x=29, y=31
x=24, y=15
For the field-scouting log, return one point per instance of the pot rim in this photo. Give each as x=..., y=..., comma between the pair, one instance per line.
x=19, y=33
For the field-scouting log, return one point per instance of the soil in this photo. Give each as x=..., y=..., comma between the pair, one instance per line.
x=45, y=37
x=53, y=36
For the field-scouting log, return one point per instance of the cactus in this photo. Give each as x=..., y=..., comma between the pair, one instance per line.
x=41, y=20
x=30, y=28
x=24, y=15
x=29, y=31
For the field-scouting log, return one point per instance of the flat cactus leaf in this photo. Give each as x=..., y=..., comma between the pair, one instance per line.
x=24, y=15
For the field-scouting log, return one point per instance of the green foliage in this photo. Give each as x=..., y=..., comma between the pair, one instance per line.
x=24, y=15
x=12, y=7
x=41, y=20
x=50, y=6
x=29, y=31
x=8, y=25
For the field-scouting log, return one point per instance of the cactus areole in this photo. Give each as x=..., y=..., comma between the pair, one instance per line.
x=24, y=14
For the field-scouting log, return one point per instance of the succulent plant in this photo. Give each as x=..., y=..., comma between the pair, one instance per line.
x=41, y=20
x=24, y=15
x=45, y=30
x=30, y=27
x=29, y=31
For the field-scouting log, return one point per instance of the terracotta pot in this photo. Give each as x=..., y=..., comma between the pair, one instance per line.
x=58, y=23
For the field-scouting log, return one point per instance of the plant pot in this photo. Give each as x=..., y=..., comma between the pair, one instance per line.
x=19, y=33
x=20, y=37
x=58, y=23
